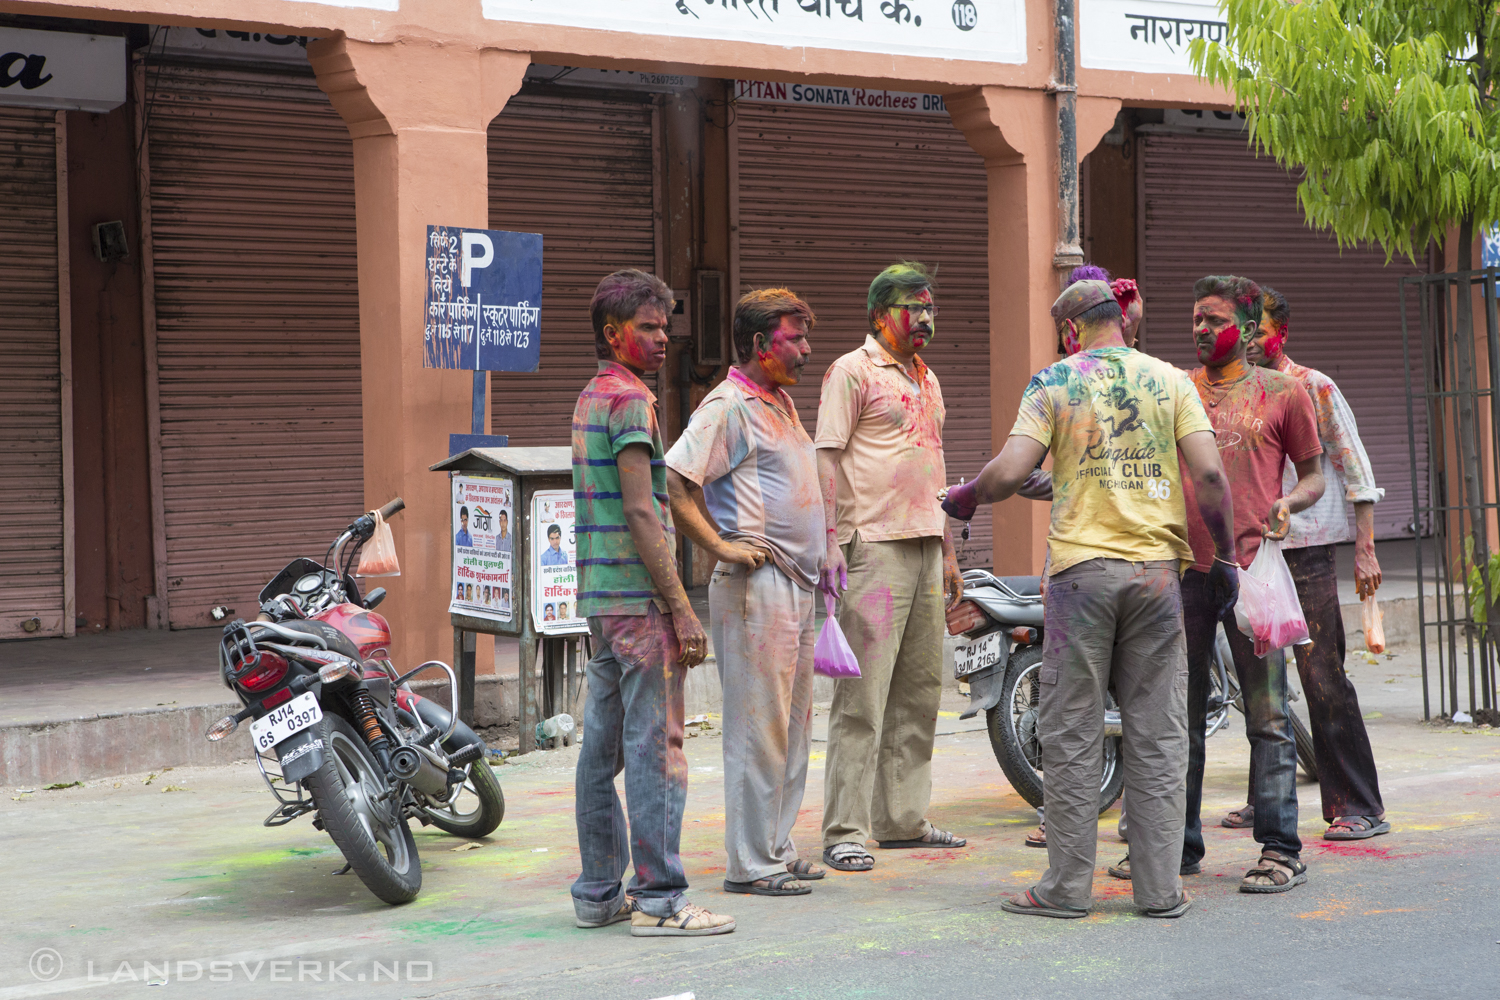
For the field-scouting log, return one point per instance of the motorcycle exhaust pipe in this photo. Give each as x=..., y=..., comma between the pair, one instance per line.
x=420, y=771
x=1112, y=725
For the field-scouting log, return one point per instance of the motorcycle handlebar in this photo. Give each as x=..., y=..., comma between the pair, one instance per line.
x=394, y=507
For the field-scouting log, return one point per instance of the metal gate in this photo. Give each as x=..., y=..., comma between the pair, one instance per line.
x=34, y=563
x=1454, y=383
x=251, y=214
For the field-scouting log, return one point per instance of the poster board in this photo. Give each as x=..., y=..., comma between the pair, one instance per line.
x=484, y=542
x=554, y=564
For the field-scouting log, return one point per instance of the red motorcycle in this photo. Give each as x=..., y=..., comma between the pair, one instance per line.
x=338, y=731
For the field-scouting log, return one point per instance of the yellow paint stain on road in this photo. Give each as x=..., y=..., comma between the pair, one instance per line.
x=1333, y=912
x=1409, y=909
x=1024, y=873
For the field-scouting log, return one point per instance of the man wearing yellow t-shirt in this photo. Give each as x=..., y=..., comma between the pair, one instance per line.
x=1114, y=420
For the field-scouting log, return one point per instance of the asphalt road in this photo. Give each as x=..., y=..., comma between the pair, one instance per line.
x=129, y=883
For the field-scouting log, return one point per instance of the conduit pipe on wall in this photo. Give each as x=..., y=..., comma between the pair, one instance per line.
x=1064, y=86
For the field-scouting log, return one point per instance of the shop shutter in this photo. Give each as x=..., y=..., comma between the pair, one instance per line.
x=827, y=198
x=578, y=170
x=257, y=328
x=1212, y=207
x=31, y=445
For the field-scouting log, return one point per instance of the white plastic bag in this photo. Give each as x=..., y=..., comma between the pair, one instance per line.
x=1268, y=610
x=378, y=557
x=1374, y=623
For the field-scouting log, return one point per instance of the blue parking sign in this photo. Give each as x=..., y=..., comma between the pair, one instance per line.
x=484, y=300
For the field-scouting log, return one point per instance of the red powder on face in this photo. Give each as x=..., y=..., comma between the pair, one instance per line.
x=1224, y=345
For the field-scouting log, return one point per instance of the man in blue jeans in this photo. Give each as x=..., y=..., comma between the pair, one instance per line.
x=1261, y=420
x=646, y=636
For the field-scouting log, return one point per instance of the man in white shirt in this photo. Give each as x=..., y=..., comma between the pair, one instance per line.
x=1346, y=765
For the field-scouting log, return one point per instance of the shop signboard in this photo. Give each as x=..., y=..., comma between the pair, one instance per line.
x=484, y=300
x=850, y=98
x=982, y=30
x=483, y=549
x=1145, y=36
x=61, y=69
x=554, y=564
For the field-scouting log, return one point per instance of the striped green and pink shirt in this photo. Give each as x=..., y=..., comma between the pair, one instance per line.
x=614, y=410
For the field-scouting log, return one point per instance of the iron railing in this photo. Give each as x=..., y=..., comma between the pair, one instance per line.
x=1453, y=380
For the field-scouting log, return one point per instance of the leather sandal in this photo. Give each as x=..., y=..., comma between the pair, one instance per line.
x=932, y=838
x=1356, y=828
x=780, y=884
x=1242, y=818
x=1171, y=912
x=1038, y=837
x=1030, y=904
x=848, y=857
x=805, y=870
x=1280, y=881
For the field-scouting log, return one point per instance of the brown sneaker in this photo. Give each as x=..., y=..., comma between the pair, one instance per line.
x=628, y=906
x=690, y=921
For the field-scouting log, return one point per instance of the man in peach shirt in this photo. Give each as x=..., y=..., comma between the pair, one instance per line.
x=880, y=462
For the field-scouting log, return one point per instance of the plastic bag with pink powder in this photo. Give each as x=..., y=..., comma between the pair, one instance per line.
x=1268, y=610
x=832, y=656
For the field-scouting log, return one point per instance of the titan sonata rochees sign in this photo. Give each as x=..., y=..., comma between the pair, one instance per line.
x=61, y=69
x=852, y=98
x=980, y=30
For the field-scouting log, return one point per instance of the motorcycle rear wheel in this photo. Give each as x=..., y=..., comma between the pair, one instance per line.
x=478, y=807
x=372, y=835
x=1017, y=745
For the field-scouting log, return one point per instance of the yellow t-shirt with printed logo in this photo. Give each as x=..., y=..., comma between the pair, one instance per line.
x=1112, y=418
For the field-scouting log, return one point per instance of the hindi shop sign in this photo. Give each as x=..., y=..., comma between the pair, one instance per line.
x=61, y=69
x=483, y=584
x=484, y=300
x=1145, y=36
x=853, y=98
x=981, y=30
x=554, y=564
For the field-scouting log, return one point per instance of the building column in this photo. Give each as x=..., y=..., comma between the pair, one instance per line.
x=419, y=113
x=1014, y=130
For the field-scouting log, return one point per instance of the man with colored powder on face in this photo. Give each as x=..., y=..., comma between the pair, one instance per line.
x=1262, y=420
x=1038, y=485
x=880, y=467
x=1114, y=420
x=1346, y=765
x=645, y=634
x=743, y=479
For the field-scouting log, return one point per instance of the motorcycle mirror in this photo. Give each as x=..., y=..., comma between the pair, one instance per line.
x=222, y=728
x=374, y=597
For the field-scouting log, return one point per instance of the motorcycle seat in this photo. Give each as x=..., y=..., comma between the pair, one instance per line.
x=1024, y=586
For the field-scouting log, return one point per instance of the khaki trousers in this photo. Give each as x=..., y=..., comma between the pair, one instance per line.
x=762, y=626
x=1111, y=623
x=878, y=779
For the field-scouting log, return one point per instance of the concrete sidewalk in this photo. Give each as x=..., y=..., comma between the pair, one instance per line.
x=111, y=703
x=124, y=874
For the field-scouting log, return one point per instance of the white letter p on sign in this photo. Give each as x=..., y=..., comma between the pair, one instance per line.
x=471, y=260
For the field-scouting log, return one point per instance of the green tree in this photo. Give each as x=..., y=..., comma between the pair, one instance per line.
x=1389, y=107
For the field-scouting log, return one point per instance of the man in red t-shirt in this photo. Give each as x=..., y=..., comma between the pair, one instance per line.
x=1261, y=419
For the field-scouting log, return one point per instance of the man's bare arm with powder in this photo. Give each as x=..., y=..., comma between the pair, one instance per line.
x=634, y=463
x=834, y=578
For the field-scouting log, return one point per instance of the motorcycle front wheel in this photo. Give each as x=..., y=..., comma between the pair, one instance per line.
x=1017, y=742
x=350, y=792
x=477, y=806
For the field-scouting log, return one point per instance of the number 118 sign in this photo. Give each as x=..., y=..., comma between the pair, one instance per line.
x=484, y=300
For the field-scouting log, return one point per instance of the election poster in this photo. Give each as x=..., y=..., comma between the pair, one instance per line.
x=554, y=565
x=483, y=549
